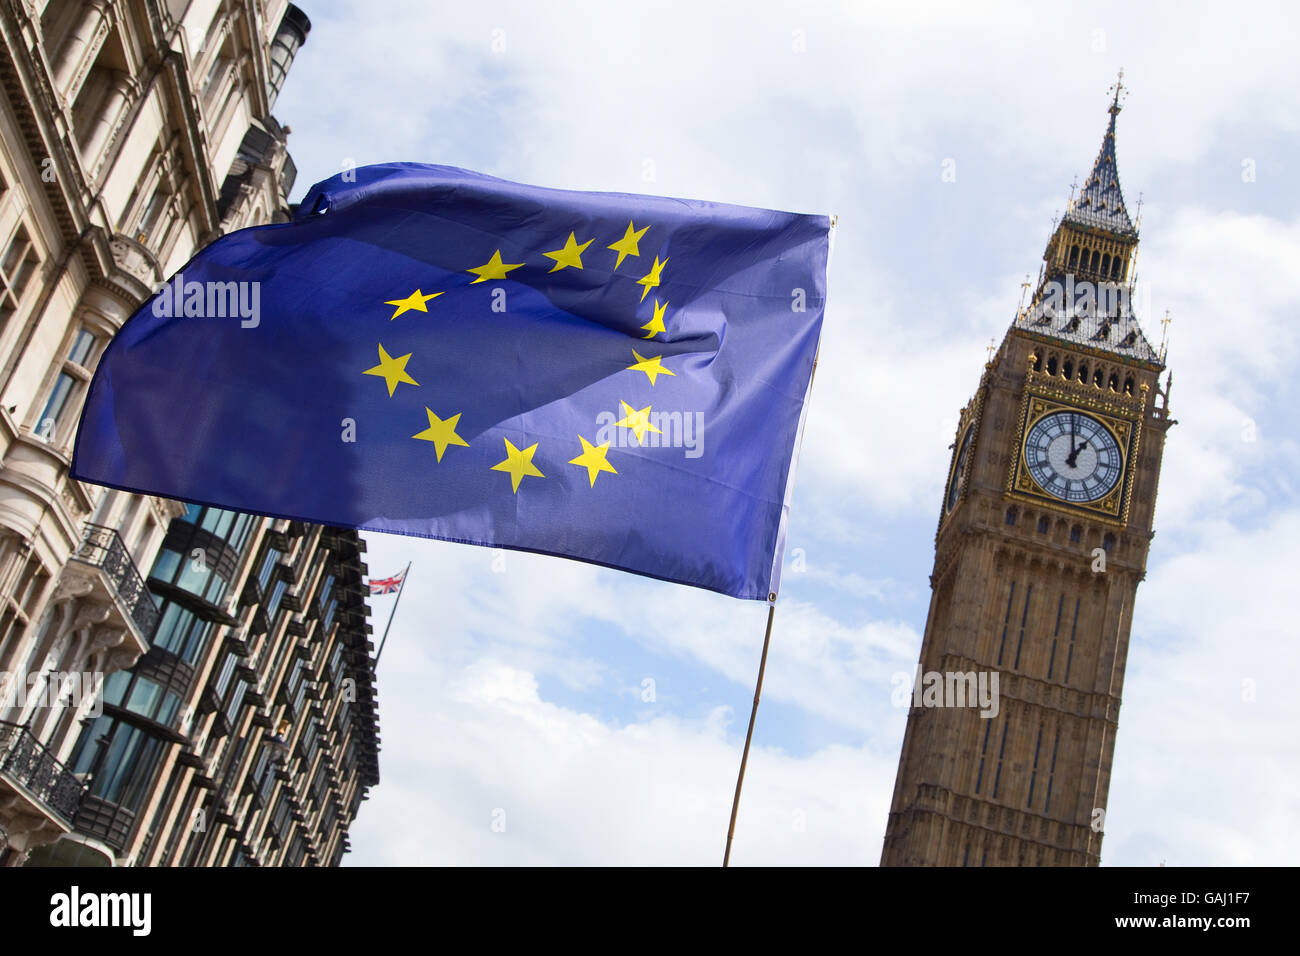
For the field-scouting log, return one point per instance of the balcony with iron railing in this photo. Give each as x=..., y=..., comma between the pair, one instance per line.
x=102, y=548
x=36, y=777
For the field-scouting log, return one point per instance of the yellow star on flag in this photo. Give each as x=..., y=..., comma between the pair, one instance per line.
x=627, y=245
x=493, y=269
x=570, y=255
x=413, y=302
x=653, y=367
x=517, y=464
x=441, y=432
x=638, y=421
x=593, y=459
x=392, y=370
x=651, y=279
x=656, y=324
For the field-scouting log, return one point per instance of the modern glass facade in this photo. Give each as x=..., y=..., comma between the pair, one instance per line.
x=247, y=734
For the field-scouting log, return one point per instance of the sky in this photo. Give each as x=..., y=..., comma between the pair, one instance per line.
x=540, y=711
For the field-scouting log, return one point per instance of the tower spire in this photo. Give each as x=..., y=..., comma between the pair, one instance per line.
x=1092, y=247
x=1100, y=204
x=1117, y=89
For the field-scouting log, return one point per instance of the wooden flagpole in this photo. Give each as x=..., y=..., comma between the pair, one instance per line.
x=767, y=635
x=400, y=588
x=749, y=734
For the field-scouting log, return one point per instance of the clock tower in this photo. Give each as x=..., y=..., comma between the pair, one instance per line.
x=1044, y=529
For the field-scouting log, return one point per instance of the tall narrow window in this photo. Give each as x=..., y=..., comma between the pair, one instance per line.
x=1069, y=657
x=1051, y=772
x=149, y=215
x=1006, y=622
x=979, y=778
x=1033, y=773
x=1024, y=616
x=17, y=267
x=60, y=407
x=1051, y=661
x=1002, y=751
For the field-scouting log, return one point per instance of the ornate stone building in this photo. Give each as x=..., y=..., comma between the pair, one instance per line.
x=1043, y=538
x=132, y=132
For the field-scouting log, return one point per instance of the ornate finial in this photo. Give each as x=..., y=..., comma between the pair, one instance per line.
x=1118, y=88
x=1164, y=334
x=1138, y=223
x=1024, y=288
x=1074, y=184
x=991, y=349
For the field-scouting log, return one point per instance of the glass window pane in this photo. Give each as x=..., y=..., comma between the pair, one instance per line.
x=58, y=399
x=164, y=569
x=144, y=697
x=81, y=347
x=115, y=687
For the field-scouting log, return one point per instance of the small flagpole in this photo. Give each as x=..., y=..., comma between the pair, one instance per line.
x=400, y=588
x=749, y=735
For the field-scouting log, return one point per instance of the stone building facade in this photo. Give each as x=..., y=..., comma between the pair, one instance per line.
x=132, y=133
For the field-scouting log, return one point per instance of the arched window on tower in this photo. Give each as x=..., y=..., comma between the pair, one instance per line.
x=1051, y=365
x=1038, y=362
x=1128, y=385
x=1074, y=256
x=1096, y=260
x=1011, y=516
x=1115, y=265
x=1108, y=542
x=1083, y=373
x=1042, y=524
x=1067, y=370
x=1076, y=534
x=1097, y=378
x=1113, y=384
x=1105, y=264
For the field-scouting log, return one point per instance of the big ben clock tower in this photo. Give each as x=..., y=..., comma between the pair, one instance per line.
x=1044, y=529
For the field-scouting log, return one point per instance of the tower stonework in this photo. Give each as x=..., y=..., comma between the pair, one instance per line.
x=1043, y=537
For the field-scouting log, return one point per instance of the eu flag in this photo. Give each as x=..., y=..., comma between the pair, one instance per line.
x=423, y=350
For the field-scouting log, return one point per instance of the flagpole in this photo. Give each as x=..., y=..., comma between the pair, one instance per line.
x=771, y=608
x=400, y=588
x=749, y=735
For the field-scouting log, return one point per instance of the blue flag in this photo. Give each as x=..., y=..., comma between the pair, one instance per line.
x=423, y=350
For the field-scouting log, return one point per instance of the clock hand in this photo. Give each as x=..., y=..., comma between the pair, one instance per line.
x=1074, y=455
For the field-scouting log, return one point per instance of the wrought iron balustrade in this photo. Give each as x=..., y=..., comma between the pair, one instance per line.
x=26, y=760
x=102, y=547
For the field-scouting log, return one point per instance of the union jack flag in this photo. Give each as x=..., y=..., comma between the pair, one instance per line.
x=386, y=585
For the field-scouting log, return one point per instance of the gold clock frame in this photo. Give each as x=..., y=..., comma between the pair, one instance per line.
x=968, y=420
x=1121, y=415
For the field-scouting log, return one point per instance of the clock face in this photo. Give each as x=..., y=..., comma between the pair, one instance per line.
x=959, y=468
x=1073, y=456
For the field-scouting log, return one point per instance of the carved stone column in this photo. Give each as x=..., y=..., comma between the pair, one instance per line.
x=106, y=120
x=74, y=58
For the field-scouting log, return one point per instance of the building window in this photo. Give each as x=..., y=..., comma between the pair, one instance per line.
x=1076, y=534
x=277, y=594
x=17, y=267
x=1011, y=516
x=149, y=215
x=60, y=407
x=1042, y=525
x=269, y=562
x=181, y=632
x=121, y=759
